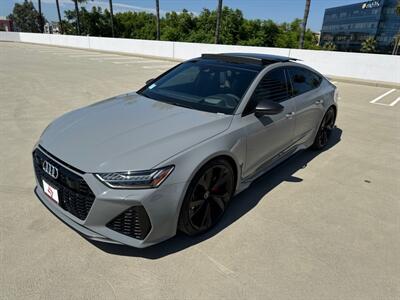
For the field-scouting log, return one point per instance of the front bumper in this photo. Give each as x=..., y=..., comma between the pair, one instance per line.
x=162, y=206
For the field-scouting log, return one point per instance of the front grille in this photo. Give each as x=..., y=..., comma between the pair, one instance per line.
x=74, y=194
x=133, y=222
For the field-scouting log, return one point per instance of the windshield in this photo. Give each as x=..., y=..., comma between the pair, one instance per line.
x=207, y=85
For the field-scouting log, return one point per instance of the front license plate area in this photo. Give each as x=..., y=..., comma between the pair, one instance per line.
x=50, y=191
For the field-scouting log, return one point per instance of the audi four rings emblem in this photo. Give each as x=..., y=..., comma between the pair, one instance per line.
x=50, y=169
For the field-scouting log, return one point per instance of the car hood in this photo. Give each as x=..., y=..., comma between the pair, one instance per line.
x=128, y=132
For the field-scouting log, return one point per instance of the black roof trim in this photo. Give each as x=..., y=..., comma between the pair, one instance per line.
x=248, y=58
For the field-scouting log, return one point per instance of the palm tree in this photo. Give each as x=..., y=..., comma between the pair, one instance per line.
x=397, y=37
x=219, y=15
x=112, y=18
x=59, y=16
x=158, y=18
x=78, y=23
x=369, y=45
x=304, y=23
x=41, y=25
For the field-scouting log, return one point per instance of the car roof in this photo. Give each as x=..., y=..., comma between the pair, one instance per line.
x=249, y=58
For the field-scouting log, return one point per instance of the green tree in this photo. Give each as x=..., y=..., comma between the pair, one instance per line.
x=25, y=17
x=231, y=26
x=77, y=15
x=368, y=46
x=135, y=25
x=94, y=22
x=258, y=33
x=218, y=21
x=187, y=27
x=289, y=34
x=203, y=27
x=179, y=27
x=311, y=40
x=67, y=27
x=304, y=23
x=74, y=16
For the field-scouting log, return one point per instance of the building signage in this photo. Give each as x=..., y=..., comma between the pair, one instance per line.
x=370, y=4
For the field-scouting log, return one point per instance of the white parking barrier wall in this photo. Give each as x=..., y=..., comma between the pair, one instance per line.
x=374, y=67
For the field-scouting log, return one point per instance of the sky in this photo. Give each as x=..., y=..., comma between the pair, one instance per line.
x=276, y=10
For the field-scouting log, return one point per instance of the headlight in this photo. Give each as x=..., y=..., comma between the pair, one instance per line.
x=336, y=96
x=135, y=180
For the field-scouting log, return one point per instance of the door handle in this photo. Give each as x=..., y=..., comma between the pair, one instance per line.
x=290, y=115
x=319, y=101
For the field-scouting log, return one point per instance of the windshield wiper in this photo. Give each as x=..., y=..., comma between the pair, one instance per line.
x=166, y=101
x=179, y=104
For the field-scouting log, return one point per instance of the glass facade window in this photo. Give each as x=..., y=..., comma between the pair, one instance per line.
x=348, y=26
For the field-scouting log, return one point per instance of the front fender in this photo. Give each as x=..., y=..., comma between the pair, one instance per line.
x=189, y=162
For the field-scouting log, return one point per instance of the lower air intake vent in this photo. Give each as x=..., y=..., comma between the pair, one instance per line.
x=133, y=222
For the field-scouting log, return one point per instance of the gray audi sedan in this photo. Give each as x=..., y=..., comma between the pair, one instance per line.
x=136, y=168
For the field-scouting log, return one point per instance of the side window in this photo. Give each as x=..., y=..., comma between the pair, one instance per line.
x=272, y=87
x=303, y=80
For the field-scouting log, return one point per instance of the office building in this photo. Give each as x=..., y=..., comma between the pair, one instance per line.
x=350, y=25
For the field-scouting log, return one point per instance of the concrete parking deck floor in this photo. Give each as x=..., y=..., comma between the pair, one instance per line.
x=320, y=226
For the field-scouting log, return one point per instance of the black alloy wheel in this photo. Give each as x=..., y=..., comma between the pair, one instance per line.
x=325, y=129
x=207, y=197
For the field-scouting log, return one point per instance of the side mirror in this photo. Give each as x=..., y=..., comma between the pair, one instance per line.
x=267, y=107
x=149, y=81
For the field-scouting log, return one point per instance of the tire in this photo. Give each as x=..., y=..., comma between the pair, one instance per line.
x=207, y=197
x=325, y=130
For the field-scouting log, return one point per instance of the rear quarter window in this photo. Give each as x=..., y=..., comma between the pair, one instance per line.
x=303, y=80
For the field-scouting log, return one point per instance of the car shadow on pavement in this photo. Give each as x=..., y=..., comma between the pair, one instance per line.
x=239, y=206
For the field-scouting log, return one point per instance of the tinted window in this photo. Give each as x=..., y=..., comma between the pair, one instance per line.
x=303, y=80
x=204, y=85
x=272, y=87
